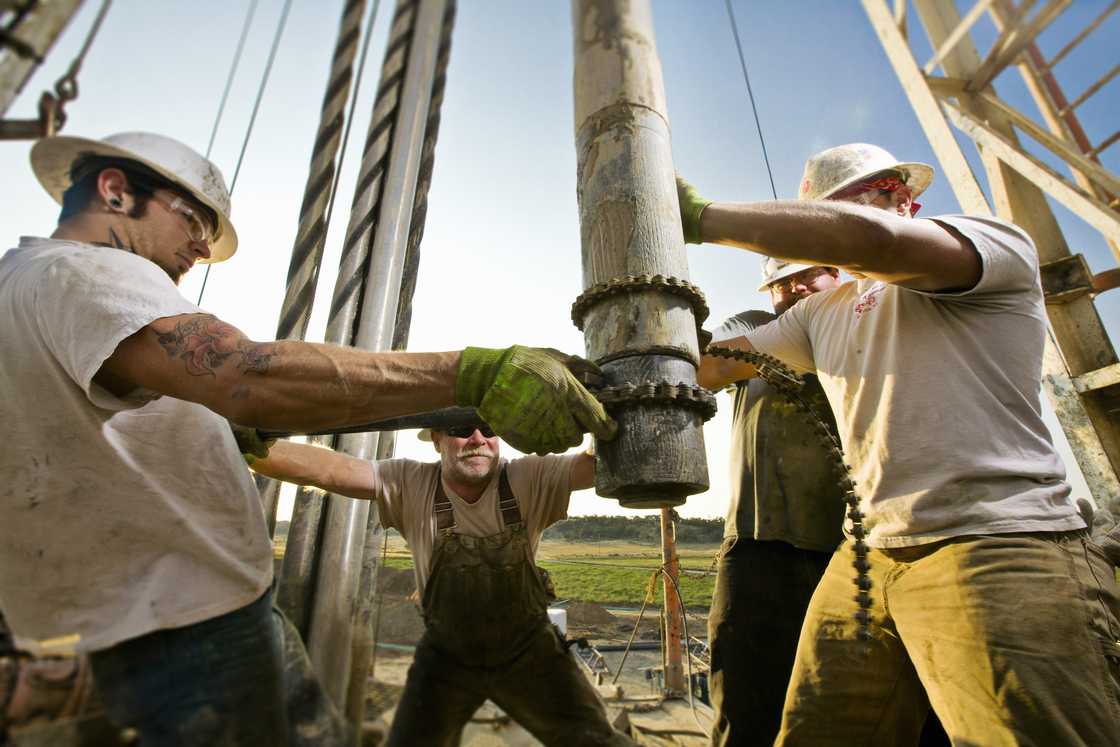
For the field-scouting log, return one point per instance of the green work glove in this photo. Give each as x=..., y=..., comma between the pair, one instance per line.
x=692, y=205
x=252, y=446
x=531, y=397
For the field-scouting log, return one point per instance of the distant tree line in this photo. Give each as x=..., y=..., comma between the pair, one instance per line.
x=646, y=529
x=643, y=529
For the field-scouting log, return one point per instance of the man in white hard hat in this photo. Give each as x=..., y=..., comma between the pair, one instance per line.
x=129, y=526
x=985, y=590
x=784, y=519
x=473, y=522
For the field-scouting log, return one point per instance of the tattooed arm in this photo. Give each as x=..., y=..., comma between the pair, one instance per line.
x=285, y=385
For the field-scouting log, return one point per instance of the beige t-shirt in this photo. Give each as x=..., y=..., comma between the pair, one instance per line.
x=936, y=395
x=117, y=517
x=406, y=493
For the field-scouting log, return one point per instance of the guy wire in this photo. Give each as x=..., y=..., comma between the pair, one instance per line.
x=750, y=94
x=253, y=117
x=232, y=73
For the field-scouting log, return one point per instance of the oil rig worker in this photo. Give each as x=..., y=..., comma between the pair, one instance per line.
x=784, y=519
x=473, y=522
x=129, y=527
x=986, y=592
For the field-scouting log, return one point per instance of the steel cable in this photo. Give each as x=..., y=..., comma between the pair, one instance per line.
x=318, y=201
x=367, y=193
x=300, y=563
x=232, y=73
x=750, y=94
x=253, y=117
x=324, y=171
x=650, y=593
x=423, y=185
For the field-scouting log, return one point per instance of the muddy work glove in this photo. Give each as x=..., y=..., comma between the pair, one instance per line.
x=692, y=206
x=532, y=398
x=252, y=446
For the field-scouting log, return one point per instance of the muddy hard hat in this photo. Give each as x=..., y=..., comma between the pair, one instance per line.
x=774, y=270
x=53, y=157
x=830, y=171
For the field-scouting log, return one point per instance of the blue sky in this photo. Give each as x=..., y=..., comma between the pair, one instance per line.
x=500, y=259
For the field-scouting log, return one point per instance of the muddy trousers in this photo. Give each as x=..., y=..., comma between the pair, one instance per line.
x=542, y=689
x=762, y=591
x=239, y=679
x=1014, y=637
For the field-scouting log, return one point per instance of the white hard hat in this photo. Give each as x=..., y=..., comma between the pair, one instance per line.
x=776, y=269
x=832, y=170
x=52, y=159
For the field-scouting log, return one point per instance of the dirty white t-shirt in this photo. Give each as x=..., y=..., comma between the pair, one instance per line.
x=936, y=395
x=406, y=493
x=117, y=516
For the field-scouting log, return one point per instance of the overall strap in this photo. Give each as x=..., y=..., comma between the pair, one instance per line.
x=445, y=514
x=507, y=501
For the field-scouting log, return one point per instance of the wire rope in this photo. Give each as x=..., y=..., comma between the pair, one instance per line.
x=750, y=95
x=650, y=592
x=232, y=73
x=688, y=658
x=76, y=65
x=253, y=117
x=350, y=114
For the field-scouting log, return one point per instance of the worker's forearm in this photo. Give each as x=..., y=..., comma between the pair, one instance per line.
x=283, y=385
x=317, y=467
x=854, y=237
x=582, y=474
x=716, y=372
x=306, y=386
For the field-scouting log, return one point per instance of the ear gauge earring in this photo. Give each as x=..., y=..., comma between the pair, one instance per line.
x=115, y=203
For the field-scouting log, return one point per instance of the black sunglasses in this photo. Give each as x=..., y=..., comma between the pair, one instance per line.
x=466, y=431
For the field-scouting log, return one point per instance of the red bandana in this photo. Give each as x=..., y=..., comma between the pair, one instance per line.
x=884, y=184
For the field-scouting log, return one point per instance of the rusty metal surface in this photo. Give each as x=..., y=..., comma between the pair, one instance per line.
x=1065, y=279
x=634, y=284
x=692, y=396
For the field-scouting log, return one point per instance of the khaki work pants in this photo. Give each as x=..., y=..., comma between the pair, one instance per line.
x=1015, y=638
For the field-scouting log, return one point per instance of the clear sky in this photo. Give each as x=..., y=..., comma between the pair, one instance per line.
x=500, y=258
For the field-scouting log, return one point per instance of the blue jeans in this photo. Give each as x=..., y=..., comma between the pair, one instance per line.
x=215, y=683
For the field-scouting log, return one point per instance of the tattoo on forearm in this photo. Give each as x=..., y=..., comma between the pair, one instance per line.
x=205, y=343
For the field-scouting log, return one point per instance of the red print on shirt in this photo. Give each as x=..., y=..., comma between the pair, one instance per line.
x=869, y=299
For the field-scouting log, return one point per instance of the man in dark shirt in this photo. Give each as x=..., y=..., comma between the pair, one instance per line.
x=783, y=522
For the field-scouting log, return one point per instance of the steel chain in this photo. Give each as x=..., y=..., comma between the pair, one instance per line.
x=691, y=396
x=778, y=375
x=770, y=369
x=636, y=284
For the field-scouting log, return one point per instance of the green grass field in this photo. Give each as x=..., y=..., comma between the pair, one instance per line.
x=608, y=573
